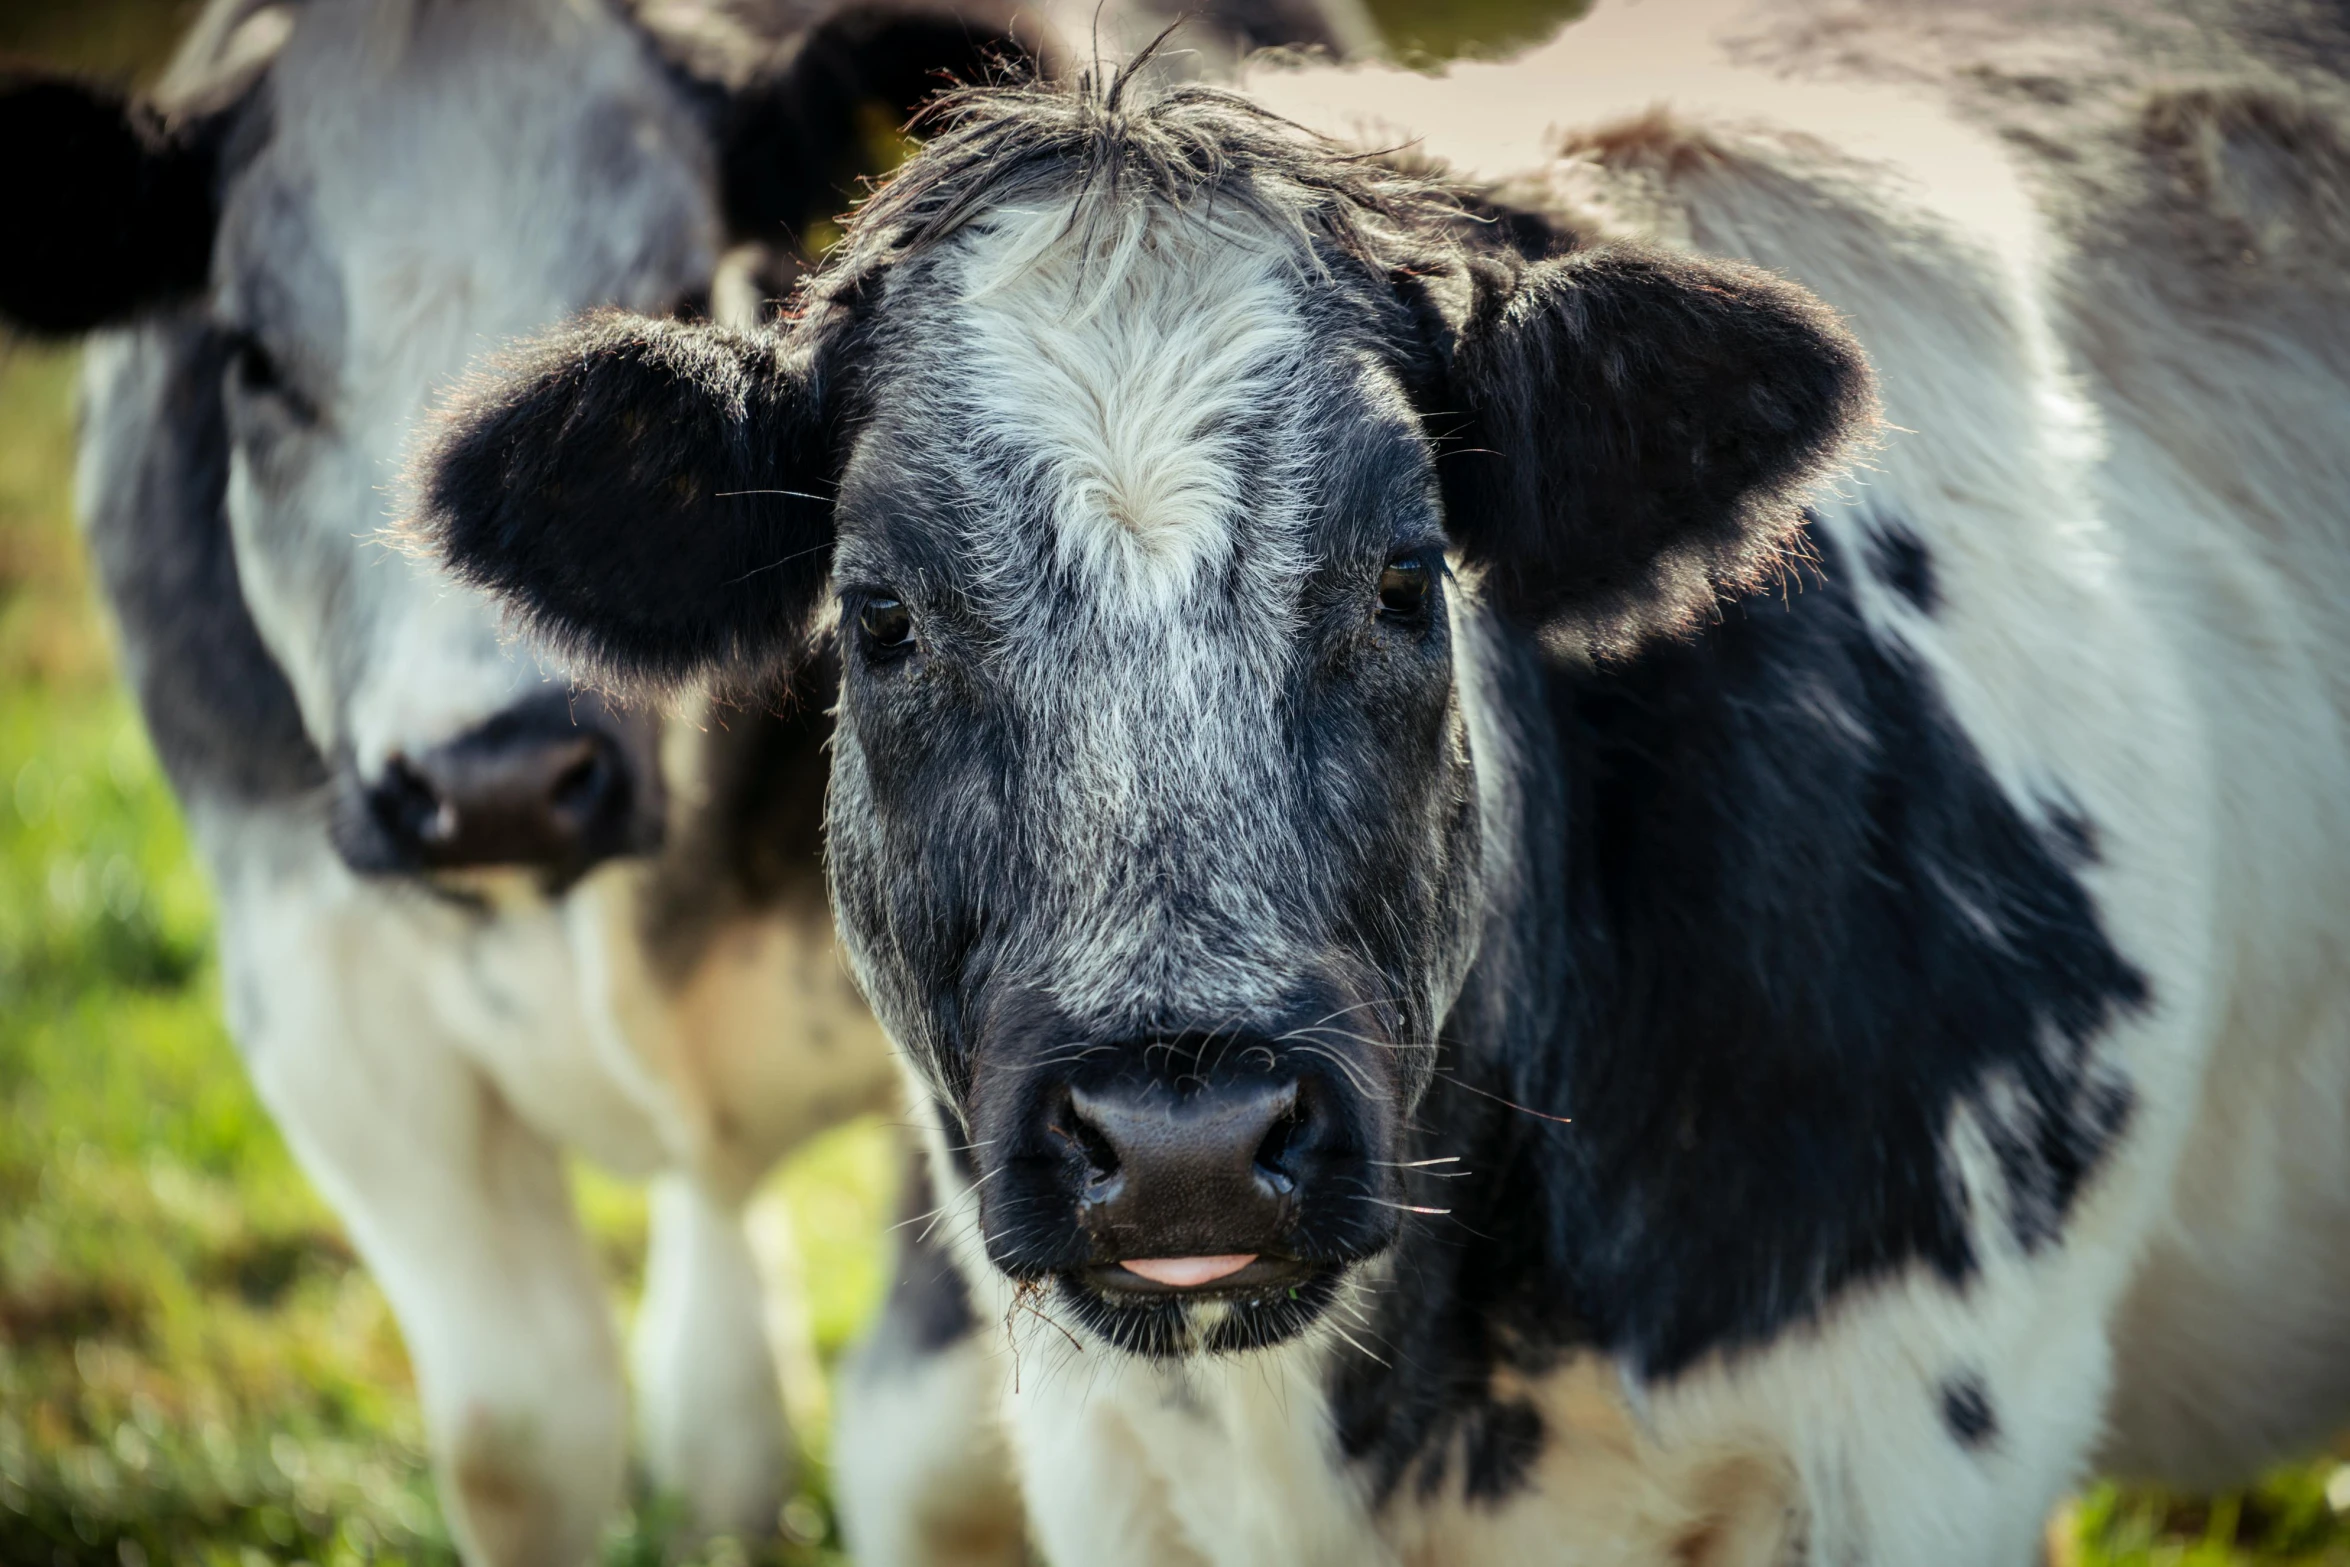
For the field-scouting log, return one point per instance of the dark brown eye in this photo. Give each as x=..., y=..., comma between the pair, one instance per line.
x=258, y=372
x=1403, y=588
x=258, y=377
x=887, y=624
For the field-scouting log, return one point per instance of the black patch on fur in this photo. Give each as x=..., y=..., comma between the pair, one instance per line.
x=1781, y=923
x=1499, y=1442
x=1968, y=1412
x=1808, y=923
x=1902, y=562
x=639, y=489
x=219, y=710
x=110, y=210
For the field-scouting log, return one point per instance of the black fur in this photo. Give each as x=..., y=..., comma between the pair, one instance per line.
x=1807, y=923
x=110, y=209
x=1639, y=424
x=1902, y=562
x=1796, y=924
x=1969, y=1413
x=641, y=491
x=220, y=713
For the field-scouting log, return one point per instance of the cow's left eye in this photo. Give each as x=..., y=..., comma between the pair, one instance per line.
x=888, y=625
x=1403, y=588
x=257, y=378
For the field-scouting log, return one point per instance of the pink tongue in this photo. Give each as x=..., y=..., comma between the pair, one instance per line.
x=1184, y=1272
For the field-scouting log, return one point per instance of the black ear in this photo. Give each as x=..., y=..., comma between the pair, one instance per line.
x=110, y=211
x=1641, y=429
x=647, y=495
x=793, y=142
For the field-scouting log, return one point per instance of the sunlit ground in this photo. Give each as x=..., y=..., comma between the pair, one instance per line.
x=192, y=1367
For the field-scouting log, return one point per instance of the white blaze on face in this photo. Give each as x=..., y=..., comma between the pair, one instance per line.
x=1131, y=395
x=1118, y=363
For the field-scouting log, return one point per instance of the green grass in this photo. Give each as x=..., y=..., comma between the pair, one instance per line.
x=193, y=1369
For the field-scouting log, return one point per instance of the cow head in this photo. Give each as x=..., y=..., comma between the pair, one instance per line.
x=356, y=197
x=1113, y=453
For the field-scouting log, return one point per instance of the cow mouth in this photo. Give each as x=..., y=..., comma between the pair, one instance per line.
x=1262, y=1301
x=1197, y=1278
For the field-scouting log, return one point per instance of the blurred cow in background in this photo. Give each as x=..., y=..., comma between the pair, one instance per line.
x=471, y=916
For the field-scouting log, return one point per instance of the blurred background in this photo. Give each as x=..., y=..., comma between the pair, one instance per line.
x=193, y=1369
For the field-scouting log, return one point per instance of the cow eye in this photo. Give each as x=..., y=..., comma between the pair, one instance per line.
x=888, y=625
x=257, y=369
x=257, y=375
x=1403, y=588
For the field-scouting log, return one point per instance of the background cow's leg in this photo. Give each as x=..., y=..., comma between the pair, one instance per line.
x=460, y=1209
x=708, y=1417
x=921, y=1472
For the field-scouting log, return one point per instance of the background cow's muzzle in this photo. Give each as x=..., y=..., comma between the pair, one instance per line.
x=1153, y=1176
x=554, y=785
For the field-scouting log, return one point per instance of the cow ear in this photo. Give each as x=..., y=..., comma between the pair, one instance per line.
x=645, y=494
x=111, y=211
x=793, y=142
x=1641, y=430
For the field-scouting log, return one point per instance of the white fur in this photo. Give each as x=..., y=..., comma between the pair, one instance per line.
x=708, y=1422
x=1108, y=363
x=921, y=1472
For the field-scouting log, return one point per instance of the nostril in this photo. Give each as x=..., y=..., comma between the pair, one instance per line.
x=407, y=804
x=1273, y=1154
x=580, y=789
x=1090, y=1142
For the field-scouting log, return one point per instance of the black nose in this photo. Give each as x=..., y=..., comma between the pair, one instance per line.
x=1197, y=1175
x=531, y=788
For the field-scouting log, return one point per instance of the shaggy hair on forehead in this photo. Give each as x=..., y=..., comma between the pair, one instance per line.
x=1117, y=153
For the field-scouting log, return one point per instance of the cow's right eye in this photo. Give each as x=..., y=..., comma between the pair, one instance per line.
x=888, y=625
x=256, y=376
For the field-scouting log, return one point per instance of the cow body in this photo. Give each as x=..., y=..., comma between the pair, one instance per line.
x=1693, y=1062
x=473, y=918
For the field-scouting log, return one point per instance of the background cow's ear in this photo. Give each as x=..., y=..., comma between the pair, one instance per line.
x=110, y=210
x=647, y=495
x=794, y=140
x=1641, y=428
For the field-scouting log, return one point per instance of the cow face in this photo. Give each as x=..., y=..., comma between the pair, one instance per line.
x=1157, y=826
x=364, y=198
x=370, y=245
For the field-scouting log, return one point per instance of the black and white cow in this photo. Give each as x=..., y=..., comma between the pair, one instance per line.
x=1550, y=901
x=451, y=951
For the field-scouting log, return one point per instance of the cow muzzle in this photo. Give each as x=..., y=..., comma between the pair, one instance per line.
x=554, y=786
x=1182, y=1210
